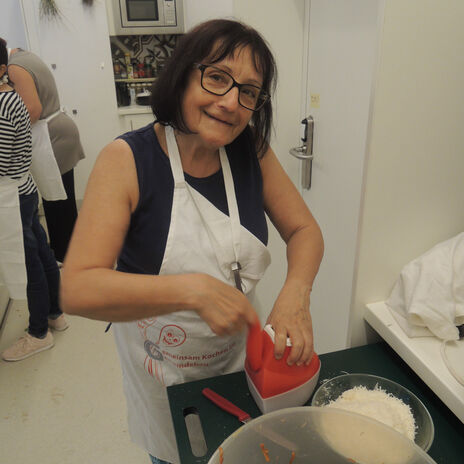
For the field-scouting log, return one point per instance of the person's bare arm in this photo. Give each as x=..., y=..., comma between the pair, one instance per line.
x=287, y=210
x=92, y=288
x=25, y=86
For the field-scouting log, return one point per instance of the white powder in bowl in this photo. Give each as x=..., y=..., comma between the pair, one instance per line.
x=379, y=405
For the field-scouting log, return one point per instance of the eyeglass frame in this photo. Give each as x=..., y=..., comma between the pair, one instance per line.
x=263, y=95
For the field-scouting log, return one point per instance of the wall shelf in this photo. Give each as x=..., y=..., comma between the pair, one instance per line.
x=134, y=109
x=136, y=81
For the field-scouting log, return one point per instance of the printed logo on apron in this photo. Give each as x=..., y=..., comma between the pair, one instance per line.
x=169, y=336
x=169, y=346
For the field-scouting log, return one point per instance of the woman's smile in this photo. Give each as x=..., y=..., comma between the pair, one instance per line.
x=219, y=119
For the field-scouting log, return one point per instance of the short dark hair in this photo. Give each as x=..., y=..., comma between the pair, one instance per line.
x=3, y=52
x=197, y=45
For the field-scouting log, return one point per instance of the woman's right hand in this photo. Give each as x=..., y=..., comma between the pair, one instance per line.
x=224, y=308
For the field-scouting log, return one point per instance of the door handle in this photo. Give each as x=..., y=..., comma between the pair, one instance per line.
x=300, y=153
x=305, y=151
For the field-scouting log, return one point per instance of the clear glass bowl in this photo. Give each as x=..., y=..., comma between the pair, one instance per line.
x=318, y=435
x=333, y=388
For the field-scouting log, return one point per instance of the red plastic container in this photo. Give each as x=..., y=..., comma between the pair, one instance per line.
x=273, y=383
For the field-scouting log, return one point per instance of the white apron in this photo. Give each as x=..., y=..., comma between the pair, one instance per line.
x=180, y=347
x=12, y=260
x=44, y=168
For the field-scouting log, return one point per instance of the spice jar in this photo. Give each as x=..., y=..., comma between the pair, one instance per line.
x=135, y=69
x=117, y=69
x=141, y=71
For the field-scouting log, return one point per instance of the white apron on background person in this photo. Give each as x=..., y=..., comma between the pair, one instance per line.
x=12, y=259
x=180, y=347
x=44, y=168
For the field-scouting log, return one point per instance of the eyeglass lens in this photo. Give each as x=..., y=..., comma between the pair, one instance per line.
x=219, y=82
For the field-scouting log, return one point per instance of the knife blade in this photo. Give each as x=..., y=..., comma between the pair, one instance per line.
x=226, y=405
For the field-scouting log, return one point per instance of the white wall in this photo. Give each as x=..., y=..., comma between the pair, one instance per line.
x=281, y=24
x=11, y=24
x=414, y=187
x=196, y=11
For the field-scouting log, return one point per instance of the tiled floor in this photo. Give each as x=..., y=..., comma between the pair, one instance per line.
x=64, y=405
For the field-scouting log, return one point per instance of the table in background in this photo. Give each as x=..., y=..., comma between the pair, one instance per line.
x=377, y=359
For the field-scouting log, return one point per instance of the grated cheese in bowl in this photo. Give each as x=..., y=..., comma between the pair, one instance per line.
x=380, y=405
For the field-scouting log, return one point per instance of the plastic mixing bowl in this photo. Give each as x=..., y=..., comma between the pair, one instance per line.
x=331, y=389
x=318, y=435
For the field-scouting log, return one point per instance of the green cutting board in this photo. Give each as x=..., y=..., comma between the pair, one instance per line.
x=378, y=359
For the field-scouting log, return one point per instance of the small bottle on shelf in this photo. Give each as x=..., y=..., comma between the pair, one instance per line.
x=141, y=70
x=147, y=67
x=135, y=69
x=117, y=69
x=130, y=72
x=132, y=93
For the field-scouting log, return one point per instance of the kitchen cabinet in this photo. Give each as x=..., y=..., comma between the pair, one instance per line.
x=132, y=118
x=376, y=359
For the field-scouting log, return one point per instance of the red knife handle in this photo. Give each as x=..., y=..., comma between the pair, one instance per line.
x=226, y=405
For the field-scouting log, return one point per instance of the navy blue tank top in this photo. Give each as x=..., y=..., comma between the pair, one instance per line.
x=145, y=242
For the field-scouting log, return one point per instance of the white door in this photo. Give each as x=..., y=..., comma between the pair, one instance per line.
x=340, y=58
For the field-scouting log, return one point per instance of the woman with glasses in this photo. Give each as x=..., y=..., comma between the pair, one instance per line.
x=181, y=206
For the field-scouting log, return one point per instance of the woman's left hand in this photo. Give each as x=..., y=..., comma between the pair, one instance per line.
x=290, y=317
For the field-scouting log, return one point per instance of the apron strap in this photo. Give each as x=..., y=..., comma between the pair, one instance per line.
x=174, y=158
x=53, y=115
x=231, y=202
x=233, y=215
x=179, y=181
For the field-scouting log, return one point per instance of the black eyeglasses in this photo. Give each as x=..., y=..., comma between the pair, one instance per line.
x=219, y=82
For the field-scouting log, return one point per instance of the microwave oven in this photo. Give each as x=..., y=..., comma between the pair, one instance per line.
x=147, y=17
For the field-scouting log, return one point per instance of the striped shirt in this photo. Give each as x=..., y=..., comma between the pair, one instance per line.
x=15, y=140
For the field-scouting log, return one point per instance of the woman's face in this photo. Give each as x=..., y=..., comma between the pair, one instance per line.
x=218, y=120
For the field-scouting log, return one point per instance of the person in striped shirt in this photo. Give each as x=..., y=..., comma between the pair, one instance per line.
x=43, y=275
